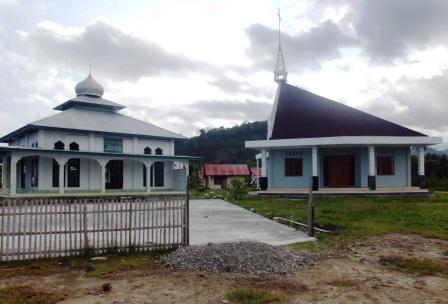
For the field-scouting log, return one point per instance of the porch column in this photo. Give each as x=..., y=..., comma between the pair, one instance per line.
x=61, y=163
x=257, y=176
x=372, y=172
x=13, y=175
x=422, y=182
x=103, y=163
x=148, y=165
x=315, y=169
x=152, y=175
x=263, y=163
x=187, y=172
x=4, y=174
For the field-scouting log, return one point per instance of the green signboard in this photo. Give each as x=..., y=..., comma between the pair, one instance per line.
x=114, y=145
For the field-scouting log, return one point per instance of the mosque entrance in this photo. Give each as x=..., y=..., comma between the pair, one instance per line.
x=114, y=174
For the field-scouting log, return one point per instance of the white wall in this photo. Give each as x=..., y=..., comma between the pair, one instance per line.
x=92, y=142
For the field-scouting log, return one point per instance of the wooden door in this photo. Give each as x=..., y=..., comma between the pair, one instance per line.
x=340, y=171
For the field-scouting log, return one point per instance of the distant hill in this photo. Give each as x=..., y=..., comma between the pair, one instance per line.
x=225, y=145
x=438, y=152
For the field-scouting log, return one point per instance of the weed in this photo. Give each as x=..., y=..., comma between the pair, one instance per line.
x=253, y=296
x=342, y=283
x=422, y=266
x=27, y=295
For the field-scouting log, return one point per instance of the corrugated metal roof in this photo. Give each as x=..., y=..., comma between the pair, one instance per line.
x=225, y=170
x=302, y=114
x=255, y=171
x=103, y=121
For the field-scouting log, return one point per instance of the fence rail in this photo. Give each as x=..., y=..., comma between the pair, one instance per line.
x=36, y=228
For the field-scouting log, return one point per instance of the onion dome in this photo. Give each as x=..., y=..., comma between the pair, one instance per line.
x=89, y=87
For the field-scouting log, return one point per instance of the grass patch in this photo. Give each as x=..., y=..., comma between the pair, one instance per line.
x=420, y=266
x=113, y=264
x=355, y=217
x=321, y=247
x=253, y=296
x=342, y=283
x=282, y=285
x=21, y=294
x=116, y=264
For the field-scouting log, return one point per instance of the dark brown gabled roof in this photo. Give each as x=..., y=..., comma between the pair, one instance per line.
x=301, y=114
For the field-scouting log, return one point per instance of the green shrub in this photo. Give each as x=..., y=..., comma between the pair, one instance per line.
x=194, y=181
x=238, y=190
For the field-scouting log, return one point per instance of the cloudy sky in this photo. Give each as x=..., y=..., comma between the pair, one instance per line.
x=187, y=65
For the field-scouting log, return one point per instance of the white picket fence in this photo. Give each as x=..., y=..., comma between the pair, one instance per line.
x=37, y=228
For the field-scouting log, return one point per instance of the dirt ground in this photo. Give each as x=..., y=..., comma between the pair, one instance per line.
x=353, y=274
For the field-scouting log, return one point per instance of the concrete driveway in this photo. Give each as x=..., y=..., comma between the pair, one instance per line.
x=217, y=221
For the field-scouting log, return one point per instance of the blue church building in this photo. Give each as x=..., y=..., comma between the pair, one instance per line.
x=316, y=141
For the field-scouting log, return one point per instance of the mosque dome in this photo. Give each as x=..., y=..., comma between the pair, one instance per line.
x=89, y=87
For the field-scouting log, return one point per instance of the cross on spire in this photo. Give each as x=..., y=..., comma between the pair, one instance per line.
x=280, y=73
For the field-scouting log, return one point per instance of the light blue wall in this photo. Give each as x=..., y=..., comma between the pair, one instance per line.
x=276, y=170
x=277, y=178
x=401, y=177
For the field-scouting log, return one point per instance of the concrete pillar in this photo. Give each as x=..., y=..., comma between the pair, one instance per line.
x=256, y=177
x=422, y=182
x=61, y=163
x=13, y=176
x=187, y=168
x=148, y=165
x=103, y=178
x=135, y=146
x=152, y=176
x=263, y=163
x=92, y=142
x=315, y=168
x=4, y=174
x=371, y=179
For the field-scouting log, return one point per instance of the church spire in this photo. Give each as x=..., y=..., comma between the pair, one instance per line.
x=280, y=73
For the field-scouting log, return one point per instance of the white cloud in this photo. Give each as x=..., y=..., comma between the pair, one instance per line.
x=198, y=64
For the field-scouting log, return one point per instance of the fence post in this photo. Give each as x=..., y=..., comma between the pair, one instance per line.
x=310, y=210
x=187, y=217
x=86, y=236
x=130, y=226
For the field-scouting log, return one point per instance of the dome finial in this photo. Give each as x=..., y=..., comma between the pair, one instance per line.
x=89, y=86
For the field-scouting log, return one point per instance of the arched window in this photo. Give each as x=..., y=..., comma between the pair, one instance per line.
x=74, y=146
x=59, y=145
x=159, y=151
x=147, y=150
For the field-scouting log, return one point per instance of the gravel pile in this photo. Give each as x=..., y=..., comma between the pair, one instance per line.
x=242, y=257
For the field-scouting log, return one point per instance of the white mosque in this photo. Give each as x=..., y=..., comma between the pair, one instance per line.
x=89, y=147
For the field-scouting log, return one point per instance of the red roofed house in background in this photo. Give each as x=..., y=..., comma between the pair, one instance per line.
x=219, y=176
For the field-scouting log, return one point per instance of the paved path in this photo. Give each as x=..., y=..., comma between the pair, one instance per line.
x=217, y=221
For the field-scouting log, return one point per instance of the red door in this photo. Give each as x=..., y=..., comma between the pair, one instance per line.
x=340, y=171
